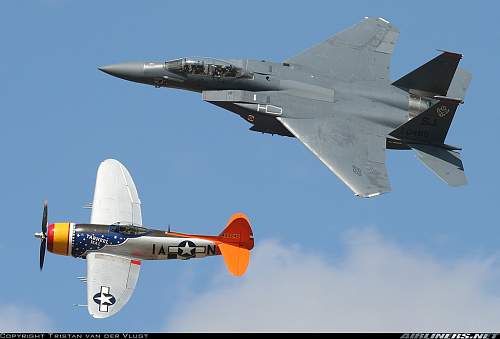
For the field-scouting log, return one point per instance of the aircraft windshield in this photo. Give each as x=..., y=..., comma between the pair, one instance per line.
x=207, y=67
x=128, y=229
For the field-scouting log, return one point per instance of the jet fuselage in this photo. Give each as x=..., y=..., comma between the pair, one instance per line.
x=337, y=98
x=206, y=74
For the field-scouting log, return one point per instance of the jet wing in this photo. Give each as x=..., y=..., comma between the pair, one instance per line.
x=348, y=147
x=111, y=280
x=115, y=196
x=361, y=52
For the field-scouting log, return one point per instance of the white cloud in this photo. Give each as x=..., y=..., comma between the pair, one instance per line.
x=375, y=286
x=22, y=319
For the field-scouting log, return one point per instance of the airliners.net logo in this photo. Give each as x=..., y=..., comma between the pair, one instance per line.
x=450, y=336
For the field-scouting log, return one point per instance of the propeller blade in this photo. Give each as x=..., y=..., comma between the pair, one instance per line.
x=44, y=218
x=42, y=252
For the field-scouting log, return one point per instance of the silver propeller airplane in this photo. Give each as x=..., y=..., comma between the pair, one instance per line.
x=115, y=242
x=337, y=99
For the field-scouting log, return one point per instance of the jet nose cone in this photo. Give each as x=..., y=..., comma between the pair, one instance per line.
x=133, y=71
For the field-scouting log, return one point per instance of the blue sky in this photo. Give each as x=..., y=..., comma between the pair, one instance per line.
x=195, y=164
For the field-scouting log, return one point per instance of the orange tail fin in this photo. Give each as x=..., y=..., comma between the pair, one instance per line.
x=235, y=243
x=238, y=232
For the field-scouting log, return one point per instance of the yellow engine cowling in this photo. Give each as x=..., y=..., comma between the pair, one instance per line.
x=60, y=238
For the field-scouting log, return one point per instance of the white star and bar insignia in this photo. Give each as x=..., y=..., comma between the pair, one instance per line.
x=104, y=299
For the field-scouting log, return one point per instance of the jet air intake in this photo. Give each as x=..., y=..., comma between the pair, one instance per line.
x=417, y=105
x=253, y=101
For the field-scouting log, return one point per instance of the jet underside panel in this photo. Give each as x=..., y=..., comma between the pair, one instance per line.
x=260, y=123
x=346, y=141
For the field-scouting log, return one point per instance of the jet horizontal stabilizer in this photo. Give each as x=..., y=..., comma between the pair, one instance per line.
x=446, y=164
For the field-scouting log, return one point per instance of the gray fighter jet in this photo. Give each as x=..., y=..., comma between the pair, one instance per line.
x=337, y=99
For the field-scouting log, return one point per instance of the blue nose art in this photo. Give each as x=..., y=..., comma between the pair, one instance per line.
x=84, y=242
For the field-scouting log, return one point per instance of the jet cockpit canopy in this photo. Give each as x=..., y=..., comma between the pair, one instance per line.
x=204, y=67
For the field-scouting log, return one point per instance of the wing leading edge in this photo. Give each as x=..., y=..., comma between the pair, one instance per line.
x=361, y=52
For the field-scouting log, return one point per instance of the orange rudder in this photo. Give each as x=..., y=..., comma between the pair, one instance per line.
x=238, y=232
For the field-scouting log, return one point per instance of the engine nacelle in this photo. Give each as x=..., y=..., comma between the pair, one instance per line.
x=417, y=105
x=60, y=237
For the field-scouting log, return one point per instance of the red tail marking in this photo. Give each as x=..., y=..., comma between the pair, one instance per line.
x=238, y=232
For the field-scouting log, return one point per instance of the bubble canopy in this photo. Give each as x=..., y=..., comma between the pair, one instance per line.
x=128, y=229
x=204, y=67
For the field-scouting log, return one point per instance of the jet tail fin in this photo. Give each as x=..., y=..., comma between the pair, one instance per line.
x=459, y=84
x=431, y=126
x=446, y=164
x=235, y=243
x=432, y=78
